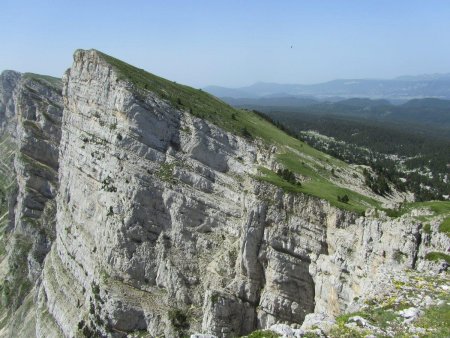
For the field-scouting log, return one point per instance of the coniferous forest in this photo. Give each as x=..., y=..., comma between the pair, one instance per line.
x=405, y=155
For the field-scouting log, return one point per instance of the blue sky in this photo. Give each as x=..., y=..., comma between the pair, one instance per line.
x=233, y=43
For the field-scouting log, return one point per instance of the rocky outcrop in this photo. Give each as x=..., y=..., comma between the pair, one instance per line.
x=39, y=112
x=141, y=218
x=148, y=196
x=360, y=253
x=33, y=106
x=161, y=226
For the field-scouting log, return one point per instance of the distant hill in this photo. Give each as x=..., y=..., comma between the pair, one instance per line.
x=289, y=101
x=229, y=92
x=401, y=88
x=424, y=112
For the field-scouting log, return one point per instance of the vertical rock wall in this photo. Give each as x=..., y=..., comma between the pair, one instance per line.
x=31, y=112
x=160, y=223
x=132, y=216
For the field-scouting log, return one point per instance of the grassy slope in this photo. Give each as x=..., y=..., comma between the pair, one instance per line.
x=293, y=154
x=436, y=209
x=53, y=82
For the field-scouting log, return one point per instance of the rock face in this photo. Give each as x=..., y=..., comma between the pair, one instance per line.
x=162, y=227
x=39, y=109
x=159, y=225
x=31, y=120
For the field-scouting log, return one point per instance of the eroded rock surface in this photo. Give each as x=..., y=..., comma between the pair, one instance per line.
x=30, y=111
x=150, y=220
x=161, y=228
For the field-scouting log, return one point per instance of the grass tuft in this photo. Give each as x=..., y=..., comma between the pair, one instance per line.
x=263, y=334
x=437, y=256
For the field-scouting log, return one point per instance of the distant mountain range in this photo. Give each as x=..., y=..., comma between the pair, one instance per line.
x=401, y=88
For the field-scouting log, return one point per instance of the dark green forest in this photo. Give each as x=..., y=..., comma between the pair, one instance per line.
x=408, y=156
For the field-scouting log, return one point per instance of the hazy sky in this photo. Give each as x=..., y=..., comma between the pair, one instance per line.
x=232, y=43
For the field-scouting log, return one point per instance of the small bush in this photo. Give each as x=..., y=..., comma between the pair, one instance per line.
x=393, y=213
x=246, y=133
x=399, y=256
x=343, y=199
x=179, y=321
x=288, y=176
x=96, y=292
x=214, y=298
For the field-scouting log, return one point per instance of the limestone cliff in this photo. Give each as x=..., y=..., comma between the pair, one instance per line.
x=31, y=128
x=165, y=226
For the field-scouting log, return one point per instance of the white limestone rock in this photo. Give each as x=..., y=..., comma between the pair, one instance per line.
x=161, y=226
